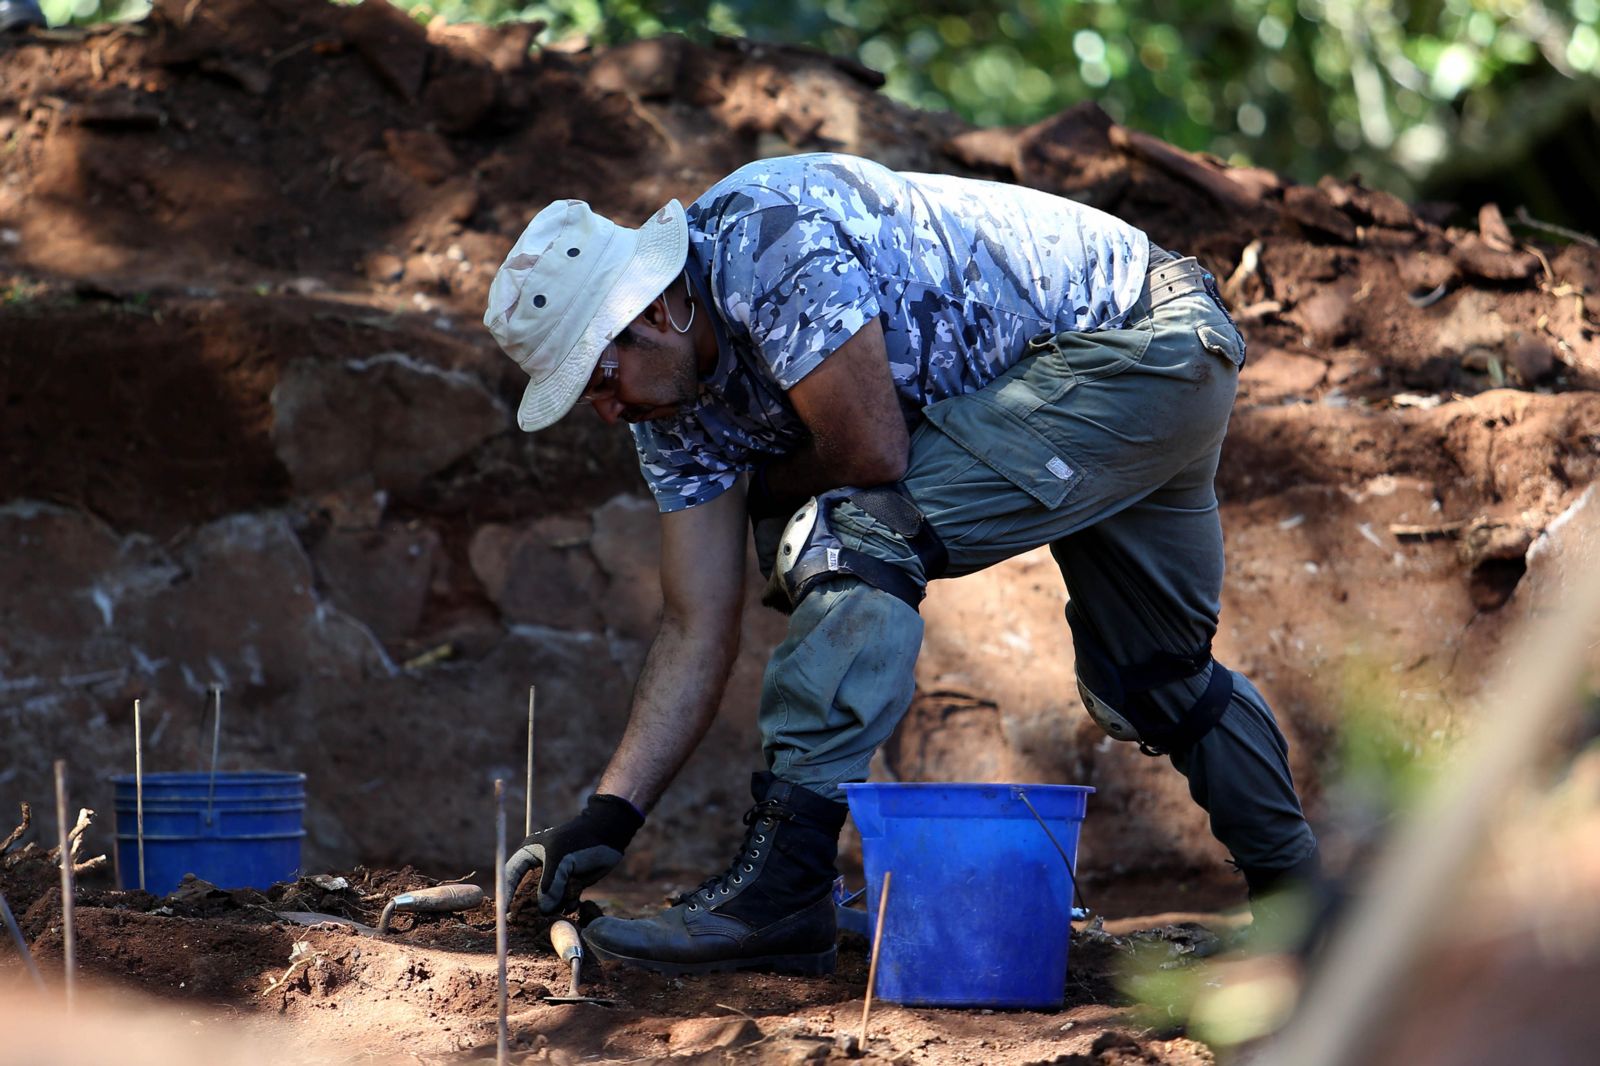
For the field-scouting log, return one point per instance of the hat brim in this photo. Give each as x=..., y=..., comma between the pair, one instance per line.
x=661, y=247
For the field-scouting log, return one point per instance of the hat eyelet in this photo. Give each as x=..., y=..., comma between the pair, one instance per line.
x=539, y=300
x=572, y=252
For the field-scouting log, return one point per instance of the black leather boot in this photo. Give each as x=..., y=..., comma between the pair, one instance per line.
x=20, y=15
x=771, y=910
x=1294, y=907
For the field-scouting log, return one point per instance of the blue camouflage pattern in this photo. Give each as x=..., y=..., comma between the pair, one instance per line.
x=794, y=255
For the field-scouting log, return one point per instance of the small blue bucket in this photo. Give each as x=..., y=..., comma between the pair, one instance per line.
x=980, y=905
x=235, y=830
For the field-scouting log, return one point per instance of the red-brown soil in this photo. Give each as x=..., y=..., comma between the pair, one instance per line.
x=252, y=432
x=426, y=991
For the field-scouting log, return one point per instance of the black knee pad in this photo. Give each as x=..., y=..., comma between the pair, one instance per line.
x=1117, y=695
x=809, y=553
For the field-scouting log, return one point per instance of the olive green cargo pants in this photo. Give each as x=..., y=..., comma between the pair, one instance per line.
x=1104, y=446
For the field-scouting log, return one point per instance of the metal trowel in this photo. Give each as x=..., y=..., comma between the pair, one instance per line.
x=569, y=945
x=436, y=899
x=440, y=898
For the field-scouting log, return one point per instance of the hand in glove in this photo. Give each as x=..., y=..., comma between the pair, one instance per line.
x=575, y=854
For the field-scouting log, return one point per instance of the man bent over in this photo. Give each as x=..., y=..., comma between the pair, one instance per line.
x=894, y=377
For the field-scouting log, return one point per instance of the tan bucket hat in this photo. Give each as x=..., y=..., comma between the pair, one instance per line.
x=572, y=282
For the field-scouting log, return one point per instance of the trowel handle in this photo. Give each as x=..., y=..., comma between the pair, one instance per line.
x=440, y=898
x=564, y=938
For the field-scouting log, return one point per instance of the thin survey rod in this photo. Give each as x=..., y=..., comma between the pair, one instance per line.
x=10, y=921
x=138, y=786
x=502, y=1042
x=68, y=941
x=877, y=949
x=527, y=818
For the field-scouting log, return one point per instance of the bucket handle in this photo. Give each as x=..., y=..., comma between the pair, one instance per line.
x=216, y=743
x=1021, y=793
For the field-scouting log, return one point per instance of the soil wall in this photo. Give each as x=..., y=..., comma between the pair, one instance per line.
x=254, y=436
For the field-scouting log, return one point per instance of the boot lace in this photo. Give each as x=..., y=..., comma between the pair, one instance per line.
x=762, y=819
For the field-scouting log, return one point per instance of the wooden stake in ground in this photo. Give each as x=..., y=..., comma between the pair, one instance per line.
x=527, y=818
x=138, y=787
x=877, y=944
x=501, y=1041
x=68, y=943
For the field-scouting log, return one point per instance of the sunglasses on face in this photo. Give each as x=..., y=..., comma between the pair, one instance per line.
x=603, y=382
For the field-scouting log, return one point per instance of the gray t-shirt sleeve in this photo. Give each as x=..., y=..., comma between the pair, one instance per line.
x=791, y=285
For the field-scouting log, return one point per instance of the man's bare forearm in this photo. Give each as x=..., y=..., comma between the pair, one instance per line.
x=702, y=579
x=858, y=433
x=809, y=470
x=674, y=703
x=798, y=476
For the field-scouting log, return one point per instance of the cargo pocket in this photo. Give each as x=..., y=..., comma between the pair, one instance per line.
x=1002, y=441
x=1078, y=358
x=1228, y=345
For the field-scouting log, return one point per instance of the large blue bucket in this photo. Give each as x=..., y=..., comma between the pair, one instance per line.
x=236, y=830
x=980, y=905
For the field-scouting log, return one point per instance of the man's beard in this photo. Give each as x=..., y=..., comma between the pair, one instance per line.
x=670, y=368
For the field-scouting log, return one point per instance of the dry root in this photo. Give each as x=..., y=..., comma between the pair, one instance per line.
x=300, y=955
x=53, y=856
x=16, y=834
x=75, y=845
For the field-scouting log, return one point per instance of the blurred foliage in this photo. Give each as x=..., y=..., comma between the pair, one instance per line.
x=88, y=11
x=1395, y=90
x=1395, y=733
x=1221, y=1003
x=1405, y=92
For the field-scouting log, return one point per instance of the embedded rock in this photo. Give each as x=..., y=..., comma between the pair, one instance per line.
x=390, y=416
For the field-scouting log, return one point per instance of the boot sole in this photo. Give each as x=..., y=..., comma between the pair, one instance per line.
x=817, y=965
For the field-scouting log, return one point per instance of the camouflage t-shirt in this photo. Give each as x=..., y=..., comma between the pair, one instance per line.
x=794, y=255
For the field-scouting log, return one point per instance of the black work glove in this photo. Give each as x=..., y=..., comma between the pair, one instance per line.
x=574, y=854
